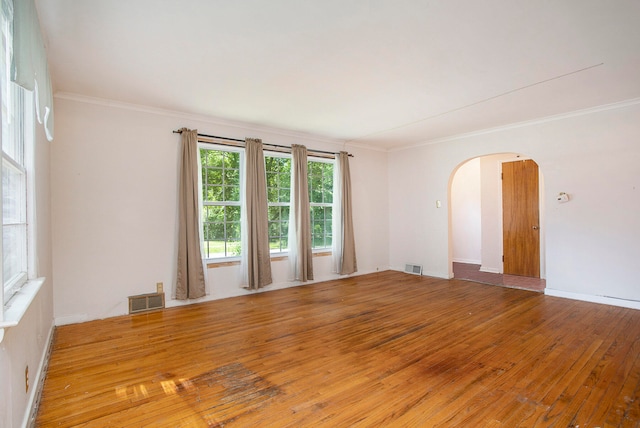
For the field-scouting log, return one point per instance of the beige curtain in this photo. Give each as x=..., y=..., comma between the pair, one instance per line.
x=190, y=283
x=300, y=254
x=344, y=247
x=256, y=258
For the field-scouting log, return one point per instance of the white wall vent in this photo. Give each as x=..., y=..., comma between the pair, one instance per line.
x=146, y=302
x=413, y=269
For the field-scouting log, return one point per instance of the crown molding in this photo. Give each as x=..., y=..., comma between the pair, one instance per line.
x=526, y=123
x=254, y=128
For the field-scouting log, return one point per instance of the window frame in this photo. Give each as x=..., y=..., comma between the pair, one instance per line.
x=18, y=132
x=324, y=205
x=203, y=203
x=281, y=252
x=280, y=204
x=27, y=170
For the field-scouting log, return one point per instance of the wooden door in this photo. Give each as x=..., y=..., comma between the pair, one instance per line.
x=521, y=218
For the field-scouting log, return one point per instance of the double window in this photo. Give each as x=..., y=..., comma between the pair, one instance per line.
x=17, y=124
x=222, y=172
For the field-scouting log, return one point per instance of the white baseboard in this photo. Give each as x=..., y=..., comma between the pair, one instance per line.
x=614, y=301
x=467, y=261
x=30, y=414
x=489, y=269
x=424, y=273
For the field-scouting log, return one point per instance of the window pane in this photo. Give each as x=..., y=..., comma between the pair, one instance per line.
x=14, y=260
x=274, y=213
x=233, y=231
x=213, y=176
x=272, y=195
x=216, y=158
x=217, y=231
x=233, y=248
x=231, y=177
x=233, y=213
x=215, y=193
x=234, y=193
x=327, y=183
x=274, y=229
x=328, y=214
x=284, y=178
x=317, y=214
x=232, y=160
x=272, y=179
x=284, y=196
x=14, y=194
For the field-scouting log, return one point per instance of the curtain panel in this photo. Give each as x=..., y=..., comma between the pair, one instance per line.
x=256, y=257
x=300, y=253
x=344, y=247
x=190, y=282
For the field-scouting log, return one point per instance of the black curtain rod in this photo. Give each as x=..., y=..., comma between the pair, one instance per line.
x=266, y=144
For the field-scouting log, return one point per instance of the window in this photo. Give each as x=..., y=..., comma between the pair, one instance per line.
x=278, y=170
x=14, y=196
x=321, y=202
x=221, y=200
x=17, y=118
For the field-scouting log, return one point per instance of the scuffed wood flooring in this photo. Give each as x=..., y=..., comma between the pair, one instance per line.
x=386, y=349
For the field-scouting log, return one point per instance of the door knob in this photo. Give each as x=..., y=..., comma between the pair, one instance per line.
x=535, y=228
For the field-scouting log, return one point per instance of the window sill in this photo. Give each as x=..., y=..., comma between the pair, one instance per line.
x=19, y=303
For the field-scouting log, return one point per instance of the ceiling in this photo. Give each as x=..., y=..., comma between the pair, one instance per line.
x=380, y=73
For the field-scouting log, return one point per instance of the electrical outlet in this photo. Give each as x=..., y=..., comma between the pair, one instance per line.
x=159, y=287
x=26, y=379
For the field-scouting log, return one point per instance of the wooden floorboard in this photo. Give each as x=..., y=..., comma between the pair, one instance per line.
x=386, y=349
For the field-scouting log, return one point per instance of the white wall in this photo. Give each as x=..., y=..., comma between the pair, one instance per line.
x=114, y=186
x=466, y=213
x=25, y=344
x=591, y=241
x=491, y=167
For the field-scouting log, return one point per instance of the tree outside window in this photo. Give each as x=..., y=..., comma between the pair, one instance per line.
x=222, y=200
x=321, y=202
x=278, y=170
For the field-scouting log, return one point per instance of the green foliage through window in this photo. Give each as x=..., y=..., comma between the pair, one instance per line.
x=278, y=170
x=221, y=211
x=320, y=177
x=221, y=202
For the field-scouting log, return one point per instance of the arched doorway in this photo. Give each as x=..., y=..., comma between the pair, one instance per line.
x=477, y=229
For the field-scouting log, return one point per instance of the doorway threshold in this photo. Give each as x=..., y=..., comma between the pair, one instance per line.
x=471, y=272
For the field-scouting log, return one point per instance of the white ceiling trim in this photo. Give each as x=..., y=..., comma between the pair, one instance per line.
x=523, y=124
x=215, y=121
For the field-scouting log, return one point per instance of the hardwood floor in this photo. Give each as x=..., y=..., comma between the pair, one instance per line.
x=386, y=349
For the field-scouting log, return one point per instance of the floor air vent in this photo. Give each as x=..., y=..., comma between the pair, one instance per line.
x=413, y=269
x=146, y=302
